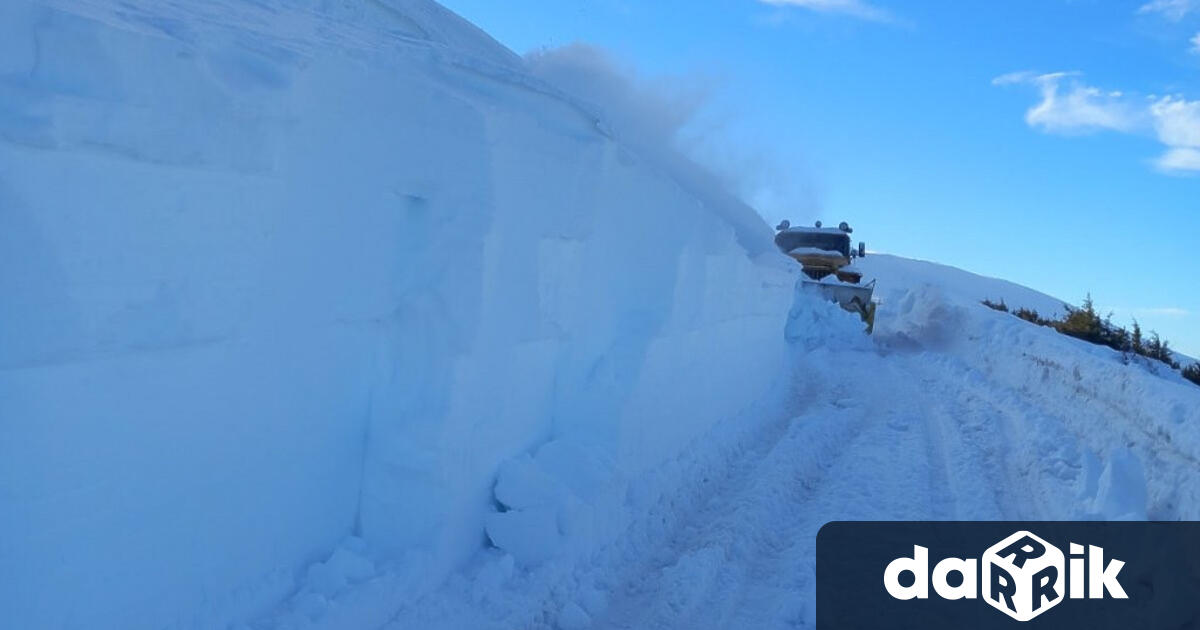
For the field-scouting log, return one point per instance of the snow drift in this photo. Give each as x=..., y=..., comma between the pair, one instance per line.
x=279, y=274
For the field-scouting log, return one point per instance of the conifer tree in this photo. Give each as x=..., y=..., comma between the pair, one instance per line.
x=1192, y=373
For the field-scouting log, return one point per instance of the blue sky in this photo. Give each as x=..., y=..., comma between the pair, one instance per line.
x=1055, y=143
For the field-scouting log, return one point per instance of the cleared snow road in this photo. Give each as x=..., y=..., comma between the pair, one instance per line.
x=912, y=437
x=896, y=447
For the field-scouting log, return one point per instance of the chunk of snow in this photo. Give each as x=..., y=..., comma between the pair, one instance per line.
x=1121, y=488
x=531, y=535
x=521, y=483
x=494, y=574
x=586, y=471
x=573, y=617
x=921, y=317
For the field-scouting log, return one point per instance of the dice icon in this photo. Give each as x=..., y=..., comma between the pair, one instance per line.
x=1023, y=576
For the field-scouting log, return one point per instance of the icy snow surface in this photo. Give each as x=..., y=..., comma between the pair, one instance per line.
x=328, y=315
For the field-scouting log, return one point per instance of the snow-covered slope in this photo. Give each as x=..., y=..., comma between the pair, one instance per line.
x=896, y=274
x=328, y=314
x=278, y=274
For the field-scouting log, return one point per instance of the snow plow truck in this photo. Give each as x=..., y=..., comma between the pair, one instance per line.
x=826, y=257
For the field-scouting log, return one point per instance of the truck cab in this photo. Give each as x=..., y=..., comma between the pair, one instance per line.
x=820, y=251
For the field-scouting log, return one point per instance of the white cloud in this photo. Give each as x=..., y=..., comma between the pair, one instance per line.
x=1177, y=124
x=1179, y=160
x=1070, y=106
x=1173, y=10
x=855, y=8
x=1177, y=121
x=1196, y=44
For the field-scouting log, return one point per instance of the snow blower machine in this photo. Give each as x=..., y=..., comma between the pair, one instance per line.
x=826, y=258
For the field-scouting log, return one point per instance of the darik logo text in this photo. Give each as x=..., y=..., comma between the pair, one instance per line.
x=1023, y=576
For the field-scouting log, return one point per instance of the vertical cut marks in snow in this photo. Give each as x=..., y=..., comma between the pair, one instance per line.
x=315, y=277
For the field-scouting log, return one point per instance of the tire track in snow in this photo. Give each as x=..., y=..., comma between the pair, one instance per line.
x=970, y=441
x=747, y=558
x=705, y=561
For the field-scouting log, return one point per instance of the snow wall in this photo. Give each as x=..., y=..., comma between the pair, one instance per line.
x=278, y=275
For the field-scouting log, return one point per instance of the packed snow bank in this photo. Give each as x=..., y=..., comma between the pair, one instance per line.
x=289, y=277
